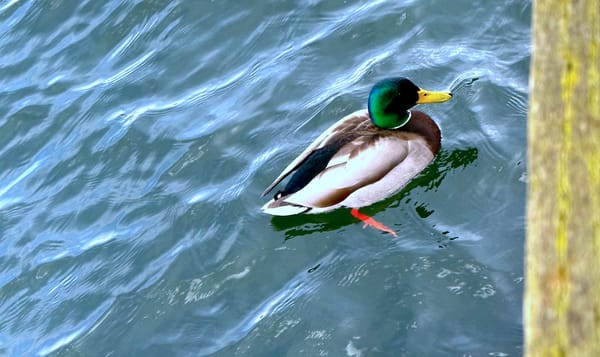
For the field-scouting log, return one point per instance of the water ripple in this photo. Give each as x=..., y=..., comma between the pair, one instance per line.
x=278, y=302
x=3, y=190
x=123, y=73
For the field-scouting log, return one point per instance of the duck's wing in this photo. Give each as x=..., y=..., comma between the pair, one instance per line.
x=362, y=162
x=329, y=138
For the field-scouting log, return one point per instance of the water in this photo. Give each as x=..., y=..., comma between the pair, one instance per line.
x=136, y=138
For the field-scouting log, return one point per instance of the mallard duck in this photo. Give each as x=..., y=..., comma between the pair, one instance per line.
x=363, y=158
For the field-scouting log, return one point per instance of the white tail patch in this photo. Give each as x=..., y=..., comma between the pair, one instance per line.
x=283, y=210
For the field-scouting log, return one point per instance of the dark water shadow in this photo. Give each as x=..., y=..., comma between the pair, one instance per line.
x=430, y=178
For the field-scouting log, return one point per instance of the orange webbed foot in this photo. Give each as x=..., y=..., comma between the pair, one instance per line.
x=370, y=221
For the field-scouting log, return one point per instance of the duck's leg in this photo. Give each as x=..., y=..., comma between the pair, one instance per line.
x=370, y=221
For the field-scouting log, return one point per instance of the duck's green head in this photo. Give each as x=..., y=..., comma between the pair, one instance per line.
x=391, y=98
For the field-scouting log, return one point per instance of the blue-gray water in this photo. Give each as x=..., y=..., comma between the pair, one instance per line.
x=137, y=136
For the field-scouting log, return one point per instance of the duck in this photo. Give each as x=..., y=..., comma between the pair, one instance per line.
x=363, y=158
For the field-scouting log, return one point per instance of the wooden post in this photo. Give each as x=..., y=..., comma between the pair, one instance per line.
x=562, y=297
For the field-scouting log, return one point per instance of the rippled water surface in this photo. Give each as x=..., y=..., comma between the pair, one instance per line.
x=137, y=136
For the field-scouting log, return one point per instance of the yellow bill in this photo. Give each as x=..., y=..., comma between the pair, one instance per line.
x=426, y=96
